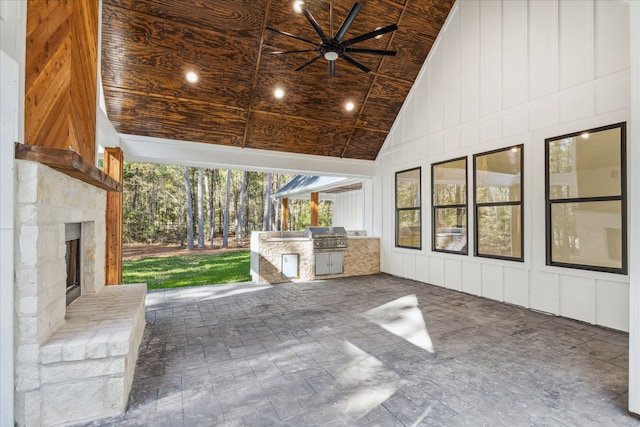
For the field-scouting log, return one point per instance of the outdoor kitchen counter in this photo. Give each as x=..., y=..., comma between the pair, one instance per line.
x=361, y=257
x=288, y=239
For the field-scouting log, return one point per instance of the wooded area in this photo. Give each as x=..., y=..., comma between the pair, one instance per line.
x=193, y=206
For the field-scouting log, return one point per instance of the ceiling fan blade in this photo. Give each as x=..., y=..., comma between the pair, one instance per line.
x=309, y=62
x=291, y=51
x=372, y=34
x=372, y=51
x=332, y=68
x=355, y=62
x=314, y=23
x=284, y=33
x=348, y=21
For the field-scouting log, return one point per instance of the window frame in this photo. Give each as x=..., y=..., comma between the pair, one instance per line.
x=465, y=206
x=399, y=210
x=622, y=198
x=476, y=205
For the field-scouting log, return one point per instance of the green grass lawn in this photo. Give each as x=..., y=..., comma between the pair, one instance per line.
x=188, y=270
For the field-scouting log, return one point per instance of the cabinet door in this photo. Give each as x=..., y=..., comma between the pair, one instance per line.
x=323, y=264
x=290, y=266
x=337, y=264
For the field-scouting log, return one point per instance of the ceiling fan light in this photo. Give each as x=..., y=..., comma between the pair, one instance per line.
x=331, y=56
x=379, y=36
x=349, y=106
x=297, y=6
x=278, y=93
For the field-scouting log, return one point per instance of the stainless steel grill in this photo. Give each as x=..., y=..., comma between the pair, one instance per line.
x=327, y=239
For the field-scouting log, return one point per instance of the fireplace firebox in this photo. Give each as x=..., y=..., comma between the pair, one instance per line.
x=72, y=234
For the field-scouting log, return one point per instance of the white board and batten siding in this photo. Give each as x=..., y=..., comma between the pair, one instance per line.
x=503, y=73
x=348, y=210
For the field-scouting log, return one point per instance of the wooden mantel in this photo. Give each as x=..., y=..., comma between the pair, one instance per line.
x=69, y=163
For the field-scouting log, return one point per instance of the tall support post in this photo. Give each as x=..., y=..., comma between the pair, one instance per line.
x=633, y=144
x=113, y=166
x=314, y=209
x=285, y=214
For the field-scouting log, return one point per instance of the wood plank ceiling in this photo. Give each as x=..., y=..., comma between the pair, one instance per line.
x=149, y=45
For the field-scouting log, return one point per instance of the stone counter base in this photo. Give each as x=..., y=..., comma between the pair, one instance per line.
x=361, y=258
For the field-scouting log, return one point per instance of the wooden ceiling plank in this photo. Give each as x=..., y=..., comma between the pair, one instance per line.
x=237, y=19
x=148, y=43
x=156, y=57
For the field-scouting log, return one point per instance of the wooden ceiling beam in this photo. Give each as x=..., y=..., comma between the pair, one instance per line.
x=256, y=69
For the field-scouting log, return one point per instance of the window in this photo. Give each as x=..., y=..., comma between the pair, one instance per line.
x=586, y=203
x=498, y=203
x=449, y=206
x=408, y=211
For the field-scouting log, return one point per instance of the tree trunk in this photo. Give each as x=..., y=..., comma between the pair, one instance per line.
x=235, y=196
x=240, y=211
x=200, y=211
x=187, y=186
x=134, y=197
x=180, y=225
x=276, y=209
x=152, y=210
x=207, y=196
x=225, y=234
x=212, y=206
x=266, y=219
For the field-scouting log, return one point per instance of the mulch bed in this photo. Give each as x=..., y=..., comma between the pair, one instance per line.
x=142, y=250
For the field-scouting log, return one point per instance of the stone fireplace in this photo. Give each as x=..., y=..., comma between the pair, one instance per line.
x=73, y=362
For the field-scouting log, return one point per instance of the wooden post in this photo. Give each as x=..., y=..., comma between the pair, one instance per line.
x=113, y=166
x=285, y=214
x=314, y=209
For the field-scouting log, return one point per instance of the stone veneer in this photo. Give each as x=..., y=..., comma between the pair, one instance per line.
x=362, y=256
x=72, y=363
x=87, y=367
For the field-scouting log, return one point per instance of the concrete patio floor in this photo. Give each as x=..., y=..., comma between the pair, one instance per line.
x=364, y=351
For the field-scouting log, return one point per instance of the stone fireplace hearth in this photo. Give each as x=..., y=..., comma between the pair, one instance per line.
x=84, y=353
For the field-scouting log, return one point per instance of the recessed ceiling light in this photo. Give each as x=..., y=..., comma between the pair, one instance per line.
x=192, y=77
x=585, y=135
x=349, y=106
x=278, y=93
x=297, y=6
x=379, y=36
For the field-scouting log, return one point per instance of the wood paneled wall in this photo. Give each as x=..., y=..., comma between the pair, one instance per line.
x=61, y=65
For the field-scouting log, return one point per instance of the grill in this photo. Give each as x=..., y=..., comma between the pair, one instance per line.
x=327, y=239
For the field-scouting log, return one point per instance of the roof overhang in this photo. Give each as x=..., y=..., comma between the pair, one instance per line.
x=327, y=187
x=166, y=151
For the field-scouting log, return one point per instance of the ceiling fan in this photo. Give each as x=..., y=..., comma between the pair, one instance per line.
x=333, y=46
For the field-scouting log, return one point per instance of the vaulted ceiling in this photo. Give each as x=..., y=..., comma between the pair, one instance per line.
x=149, y=45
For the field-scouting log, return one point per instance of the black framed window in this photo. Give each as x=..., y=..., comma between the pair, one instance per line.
x=408, y=209
x=586, y=215
x=449, y=206
x=498, y=197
